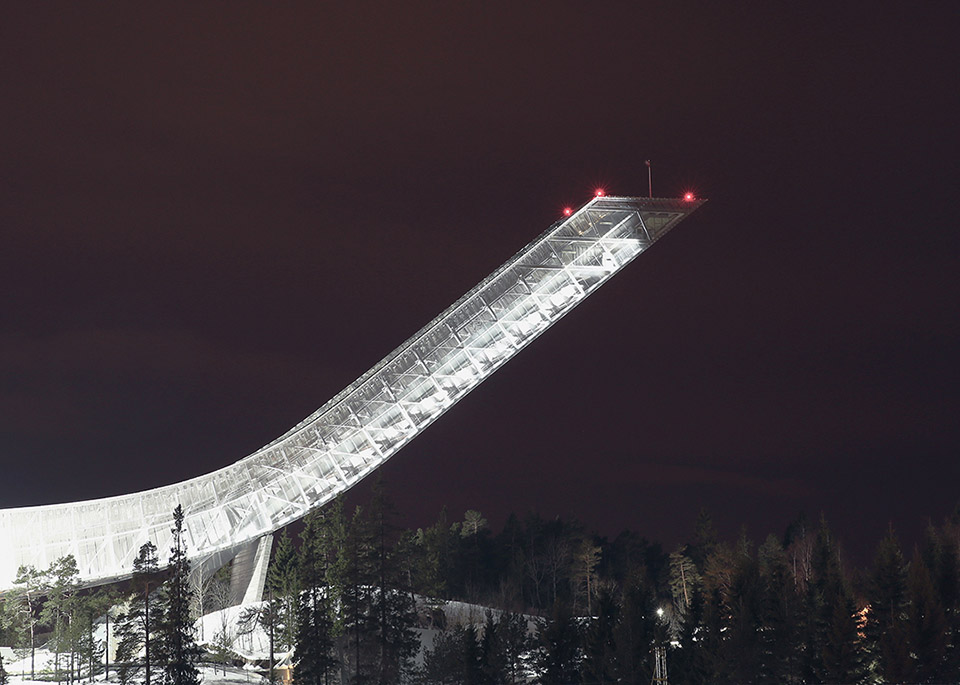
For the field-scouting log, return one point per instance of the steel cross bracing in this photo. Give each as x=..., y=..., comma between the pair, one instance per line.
x=366, y=423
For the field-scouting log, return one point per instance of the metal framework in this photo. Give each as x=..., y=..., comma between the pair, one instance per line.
x=365, y=424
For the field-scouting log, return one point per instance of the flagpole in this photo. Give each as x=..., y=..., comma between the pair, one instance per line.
x=649, y=181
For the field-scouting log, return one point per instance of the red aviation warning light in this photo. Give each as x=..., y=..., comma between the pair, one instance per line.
x=599, y=192
x=567, y=211
x=689, y=197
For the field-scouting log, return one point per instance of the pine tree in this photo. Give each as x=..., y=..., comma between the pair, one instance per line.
x=512, y=576
x=29, y=587
x=473, y=537
x=178, y=647
x=64, y=581
x=684, y=580
x=136, y=627
x=91, y=607
x=583, y=576
x=7, y=621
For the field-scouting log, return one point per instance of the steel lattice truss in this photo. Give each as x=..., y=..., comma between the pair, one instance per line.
x=364, y=425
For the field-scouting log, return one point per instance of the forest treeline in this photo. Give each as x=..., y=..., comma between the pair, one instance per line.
x=349, y=598
x=788, y=609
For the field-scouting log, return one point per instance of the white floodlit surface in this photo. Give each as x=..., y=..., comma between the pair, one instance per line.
x=366, y=423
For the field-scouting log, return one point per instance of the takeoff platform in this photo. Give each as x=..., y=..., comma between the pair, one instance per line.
x=234, y=510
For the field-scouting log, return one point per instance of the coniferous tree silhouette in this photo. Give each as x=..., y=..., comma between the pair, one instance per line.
x=135, y=628
x=178, y=648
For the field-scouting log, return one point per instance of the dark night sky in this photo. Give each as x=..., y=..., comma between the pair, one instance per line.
x=215, y=217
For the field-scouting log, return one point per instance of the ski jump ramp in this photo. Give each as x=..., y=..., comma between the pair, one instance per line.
x=228, y=511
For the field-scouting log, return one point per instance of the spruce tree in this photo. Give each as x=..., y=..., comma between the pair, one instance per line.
x=313, y=645
x=886, y=627
x=264, y=616
x=942, y=558
x=837, y=654
x=926, y=627
x=443, y=661
x=356, y=606
x=742, y=644
x=688, y=663
x=718, y=573
x=598, y=641
x=710, y=637
x=283, y=586
x=842, y=658
x=780, y=615
x=431, y=560
x=705, y=539
x=313, y=650
x=324, y=541
x=471, y=657
x=636, y=633
x=179, y=649
x=559, y=657
x=393, y=611
x=515, y=642
x=492, y=664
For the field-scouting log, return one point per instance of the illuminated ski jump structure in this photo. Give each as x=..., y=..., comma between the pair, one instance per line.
x=231, y=513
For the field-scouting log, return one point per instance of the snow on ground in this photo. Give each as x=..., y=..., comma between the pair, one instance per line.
x=209, y=676
x=254, y=645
